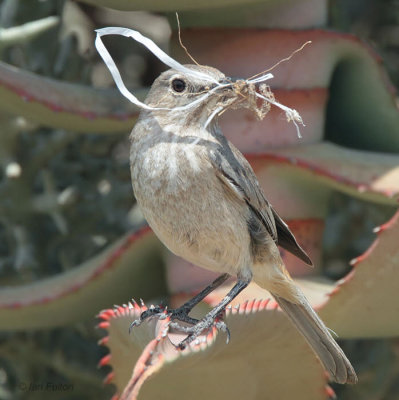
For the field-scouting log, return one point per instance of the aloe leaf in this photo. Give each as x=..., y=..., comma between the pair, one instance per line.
x=128, y=266
x=265, y=357
x=365, y=302
x=65, y=105
x=367, y=175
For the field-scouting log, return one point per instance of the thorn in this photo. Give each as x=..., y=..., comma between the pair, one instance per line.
x=104, y=361
x=264, y=303
x=257, y=304
x=106, y=314
x=354, y=261
x=103, y=325
x=103, y=341
x=250, y=306
x=330, y=392
x=109, y=378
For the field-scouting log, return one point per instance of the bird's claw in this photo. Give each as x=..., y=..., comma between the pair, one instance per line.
x=221, y=326
x=203, y=325
x=151, y=312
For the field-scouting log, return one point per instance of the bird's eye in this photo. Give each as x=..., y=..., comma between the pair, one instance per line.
x=178, y=85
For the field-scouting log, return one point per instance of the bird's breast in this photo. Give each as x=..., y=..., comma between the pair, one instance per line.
x=167, y=168
x=185, y=204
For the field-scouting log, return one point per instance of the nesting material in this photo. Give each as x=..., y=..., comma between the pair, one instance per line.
x=252, y=93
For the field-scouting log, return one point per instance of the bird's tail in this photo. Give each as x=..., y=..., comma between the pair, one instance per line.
x=316, y=333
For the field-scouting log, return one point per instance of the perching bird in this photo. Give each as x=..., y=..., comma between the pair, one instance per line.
x=202, y=199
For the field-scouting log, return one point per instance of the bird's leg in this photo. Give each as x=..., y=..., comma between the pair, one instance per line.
x=211, y=318
x=182, y=312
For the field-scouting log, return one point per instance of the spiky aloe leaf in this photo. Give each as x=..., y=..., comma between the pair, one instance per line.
x=64, y=105
x=231, y=12
x=367, y=175
x=265, y=358
x=127, y=266
x=265, y=350
x=365, y=303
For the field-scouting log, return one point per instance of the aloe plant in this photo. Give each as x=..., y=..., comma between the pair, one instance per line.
x=263, y=335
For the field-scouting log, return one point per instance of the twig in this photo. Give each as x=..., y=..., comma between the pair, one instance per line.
x=281, y=61
x=181, y=43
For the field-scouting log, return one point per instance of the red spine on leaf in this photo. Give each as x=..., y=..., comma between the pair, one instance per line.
x=105, y=360
x=103, y=325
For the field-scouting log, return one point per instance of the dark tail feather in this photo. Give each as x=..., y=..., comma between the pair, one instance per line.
x=320, y=339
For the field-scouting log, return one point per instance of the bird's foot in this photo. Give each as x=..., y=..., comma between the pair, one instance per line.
x=195, y=327
x=203, y=325
x=160, y=312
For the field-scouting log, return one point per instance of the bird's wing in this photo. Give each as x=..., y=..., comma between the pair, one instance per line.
x=236, y=173
x=287, y=240
x=233, y=169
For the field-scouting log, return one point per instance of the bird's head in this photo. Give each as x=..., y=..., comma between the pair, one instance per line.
x=195, y=95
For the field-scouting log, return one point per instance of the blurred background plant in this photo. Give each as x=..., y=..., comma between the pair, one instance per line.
x=65, y=195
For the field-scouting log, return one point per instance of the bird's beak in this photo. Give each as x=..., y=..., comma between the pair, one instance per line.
x=228, y=82
x=229, y=79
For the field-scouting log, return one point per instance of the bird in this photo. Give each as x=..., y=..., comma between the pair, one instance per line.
x=202, y=199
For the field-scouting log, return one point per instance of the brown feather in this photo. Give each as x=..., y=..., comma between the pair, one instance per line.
x=320, y=339
x=287, y=240
x=235, y=171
